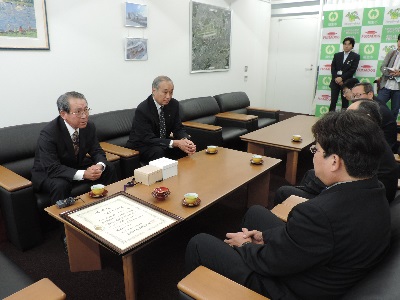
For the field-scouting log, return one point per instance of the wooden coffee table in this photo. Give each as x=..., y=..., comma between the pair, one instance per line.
x=212, y=176
x=279, y=135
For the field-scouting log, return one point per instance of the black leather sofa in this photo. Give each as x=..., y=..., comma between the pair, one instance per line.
x=238, y=102
x=22, y=208
x=381, y=283
x=198, y=115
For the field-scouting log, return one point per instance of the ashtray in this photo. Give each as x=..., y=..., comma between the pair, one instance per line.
x=216, y=151
x=298, y=141
x=256, y=163
x=98, y=196
x=196, y=203
x=161, y=193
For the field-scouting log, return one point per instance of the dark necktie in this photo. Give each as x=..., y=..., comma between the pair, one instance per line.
x=163, y=130
x=75, y=142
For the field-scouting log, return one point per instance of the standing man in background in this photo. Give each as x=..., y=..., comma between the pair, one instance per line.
x=344, y=65
x=155, y=119
x=390, y=80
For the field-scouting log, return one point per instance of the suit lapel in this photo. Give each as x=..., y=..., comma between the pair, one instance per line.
x=66, y=137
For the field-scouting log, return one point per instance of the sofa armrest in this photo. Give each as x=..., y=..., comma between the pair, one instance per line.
x=203, y=134
x=112, y=157
x=236, y=116
x=249, y=124
x=264, y=112
x=11, y=181
x=43, y=289
x=201, y=126
x=118, y=150
x=261, y=109
x=203, y=283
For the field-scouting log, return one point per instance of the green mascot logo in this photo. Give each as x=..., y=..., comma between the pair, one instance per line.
x=365, y=80
x=323, y=110
x=326, y=80
x=330, y=49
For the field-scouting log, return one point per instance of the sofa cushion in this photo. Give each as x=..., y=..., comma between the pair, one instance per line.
x=202, y=110
x=18, y=145
x=114, y=126
x=235, y=102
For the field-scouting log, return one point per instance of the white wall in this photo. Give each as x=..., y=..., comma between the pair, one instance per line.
x=87, y=55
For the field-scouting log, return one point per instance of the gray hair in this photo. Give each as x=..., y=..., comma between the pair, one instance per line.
x=63, y=100
x=158, y=80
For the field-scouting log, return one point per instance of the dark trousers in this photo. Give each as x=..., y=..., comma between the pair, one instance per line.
x=335, y=91
x=60, y=188
x=151, y=153
x=213, y=253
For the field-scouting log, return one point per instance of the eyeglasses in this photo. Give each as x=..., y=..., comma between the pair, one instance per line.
x=314, y=150
x=81, y=113
x=356, y=96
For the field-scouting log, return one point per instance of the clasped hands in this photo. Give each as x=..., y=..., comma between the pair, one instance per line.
x=394, y=73
x=185, y=145
x=238, y=238
x=93, y=172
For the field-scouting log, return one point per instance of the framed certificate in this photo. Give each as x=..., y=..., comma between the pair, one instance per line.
x=121, y=222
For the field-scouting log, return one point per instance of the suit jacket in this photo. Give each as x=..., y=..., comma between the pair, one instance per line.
x=387, y=62
x=348, y=68
x=329, y=243
x=145, y=130
x=55, y=158
x=389, y=124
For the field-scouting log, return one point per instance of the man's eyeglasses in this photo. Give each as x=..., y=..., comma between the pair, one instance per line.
x=314, y=150
x=81, y=113
x=356, y=96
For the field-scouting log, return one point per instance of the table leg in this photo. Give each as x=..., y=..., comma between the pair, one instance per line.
x=255, y=148
x=258, y=190
x=291, y=166
x=129, y=277
x=83, y=253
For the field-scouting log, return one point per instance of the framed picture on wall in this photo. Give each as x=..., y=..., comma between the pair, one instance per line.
x=210, y=37
x=135, y=15
x=135, y=49
x=23, y=25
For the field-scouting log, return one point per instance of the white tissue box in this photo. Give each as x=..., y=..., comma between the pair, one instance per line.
x=169, y=166
x=148, y=174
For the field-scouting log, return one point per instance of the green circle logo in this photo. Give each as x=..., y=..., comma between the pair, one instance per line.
x=323, y=110
x=333, y=16
x=373, y=14
x=369, y=49
x=330, y=49
x=365, y=80
x=326, y=80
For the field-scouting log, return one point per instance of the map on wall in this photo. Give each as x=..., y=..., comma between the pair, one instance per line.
x=210, y=38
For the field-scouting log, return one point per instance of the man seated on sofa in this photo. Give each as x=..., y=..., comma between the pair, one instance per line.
x=330, y=242
x=60, y=158
x=155, y=119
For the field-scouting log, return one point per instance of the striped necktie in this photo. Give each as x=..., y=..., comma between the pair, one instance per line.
x=163, y=131
x=75, y=142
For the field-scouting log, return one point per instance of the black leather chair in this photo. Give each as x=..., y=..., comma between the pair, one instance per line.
x=196, y=112
x=238, y=102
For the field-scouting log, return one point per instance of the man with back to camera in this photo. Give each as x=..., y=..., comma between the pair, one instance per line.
x=389, y=86
x=149, y=136
x=311, y=186
x=330, y=242
x=60, y=158
x=344, y=65
x=364, y=90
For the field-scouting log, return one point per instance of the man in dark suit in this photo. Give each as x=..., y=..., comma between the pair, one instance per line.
x=330, y=242
x=364, y=90
x=60, y=158
x=344, y=65
x=155, y=119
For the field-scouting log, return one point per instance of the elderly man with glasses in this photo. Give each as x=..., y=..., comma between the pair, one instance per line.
x=61, y=160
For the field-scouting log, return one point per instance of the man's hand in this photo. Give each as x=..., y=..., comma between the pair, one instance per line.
x=339, y=80
x=236, y=239
x=93, y=172
x=185, y=145
x=255, y=235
